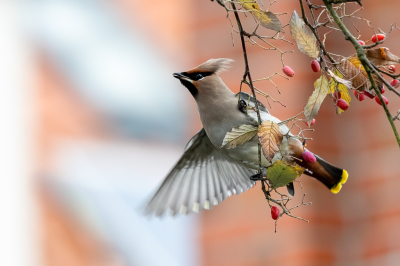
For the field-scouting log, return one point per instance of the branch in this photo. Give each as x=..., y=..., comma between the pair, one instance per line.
x=315, y=32
x=247, y=74
x=364, y=61
x=397, y=116
x=341, y=1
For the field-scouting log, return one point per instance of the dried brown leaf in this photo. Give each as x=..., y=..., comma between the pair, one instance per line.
x=305, y=39
x=270, y=137
x=238, y=136
x=382, y=57
x=354, y=71
x=311, y=109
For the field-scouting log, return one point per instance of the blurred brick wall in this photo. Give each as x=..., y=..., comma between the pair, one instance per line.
x=356, y=227
x=64, y=114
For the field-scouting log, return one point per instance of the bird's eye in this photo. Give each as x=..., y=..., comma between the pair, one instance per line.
x=198, y=77
x=243, y=106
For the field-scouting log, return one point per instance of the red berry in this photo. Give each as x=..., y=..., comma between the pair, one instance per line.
x=392, y=68
x=366, y=93
x=275, y=212
x=288, y=71
x=395, y=83
x=336, y=94
x=383, y=90
x=361, y=42
x=379, y=102
x=359, y=95
x=379, y=36
x=312, y=122
x=315, y=66
x=309, y=157
x=342, y=104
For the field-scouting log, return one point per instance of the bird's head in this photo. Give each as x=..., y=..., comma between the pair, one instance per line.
x=203, y=77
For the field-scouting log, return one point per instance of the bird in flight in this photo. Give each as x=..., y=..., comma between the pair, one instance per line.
x=207, y=173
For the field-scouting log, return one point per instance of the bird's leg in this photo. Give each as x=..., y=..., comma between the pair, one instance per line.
x=257, y=177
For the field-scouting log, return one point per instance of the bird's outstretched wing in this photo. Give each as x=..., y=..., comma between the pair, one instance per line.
x=202, y=178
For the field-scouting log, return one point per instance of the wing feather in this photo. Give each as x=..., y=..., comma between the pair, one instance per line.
x=202, y=178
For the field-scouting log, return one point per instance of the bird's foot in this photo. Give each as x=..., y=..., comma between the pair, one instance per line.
x=257, y=177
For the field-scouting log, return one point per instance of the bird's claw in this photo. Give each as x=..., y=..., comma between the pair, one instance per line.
x=257, y=177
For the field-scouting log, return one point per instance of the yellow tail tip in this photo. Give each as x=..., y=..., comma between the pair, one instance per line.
x=338, y=186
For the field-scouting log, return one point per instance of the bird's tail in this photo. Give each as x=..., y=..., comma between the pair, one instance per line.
x=331, y=176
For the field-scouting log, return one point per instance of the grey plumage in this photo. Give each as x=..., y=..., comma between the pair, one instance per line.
x=202, y=178
x=207, y=174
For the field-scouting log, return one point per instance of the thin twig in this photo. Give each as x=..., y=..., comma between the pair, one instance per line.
x=247, y=74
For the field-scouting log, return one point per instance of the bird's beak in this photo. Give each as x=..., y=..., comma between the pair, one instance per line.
x=180, y=76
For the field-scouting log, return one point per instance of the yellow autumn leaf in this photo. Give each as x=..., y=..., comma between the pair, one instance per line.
x=267, y=19
x=321, y=88
x=305, y=39
x=270, y=137
x=337, y=83
x=250, y=5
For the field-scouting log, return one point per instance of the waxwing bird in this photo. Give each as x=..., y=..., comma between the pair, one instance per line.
x=207, y=174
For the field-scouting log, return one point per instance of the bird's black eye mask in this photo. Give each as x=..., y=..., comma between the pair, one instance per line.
x=242, y=106
x=195, y=76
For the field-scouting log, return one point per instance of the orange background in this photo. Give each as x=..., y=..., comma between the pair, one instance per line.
x=359, y=226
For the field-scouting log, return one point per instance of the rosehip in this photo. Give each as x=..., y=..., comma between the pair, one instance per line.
x=366, y=93
x=361, y=42
x=275, y=212
x=395, y=83
x=392, y=68
x=288, y=71
x=384, y=99
x=315, y=66
x=342, y=104
x=309, y=157
x=379, y=36
x=383, y=90
x=312, y=122
x=359, y=95
x=337, y=95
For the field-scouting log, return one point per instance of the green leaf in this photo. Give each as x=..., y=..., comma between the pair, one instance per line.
x=314, y=102
x=238, y=136
x=304, y=37
x=281, y=174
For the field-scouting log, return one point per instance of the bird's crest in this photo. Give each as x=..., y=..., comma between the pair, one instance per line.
x=214, y=66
